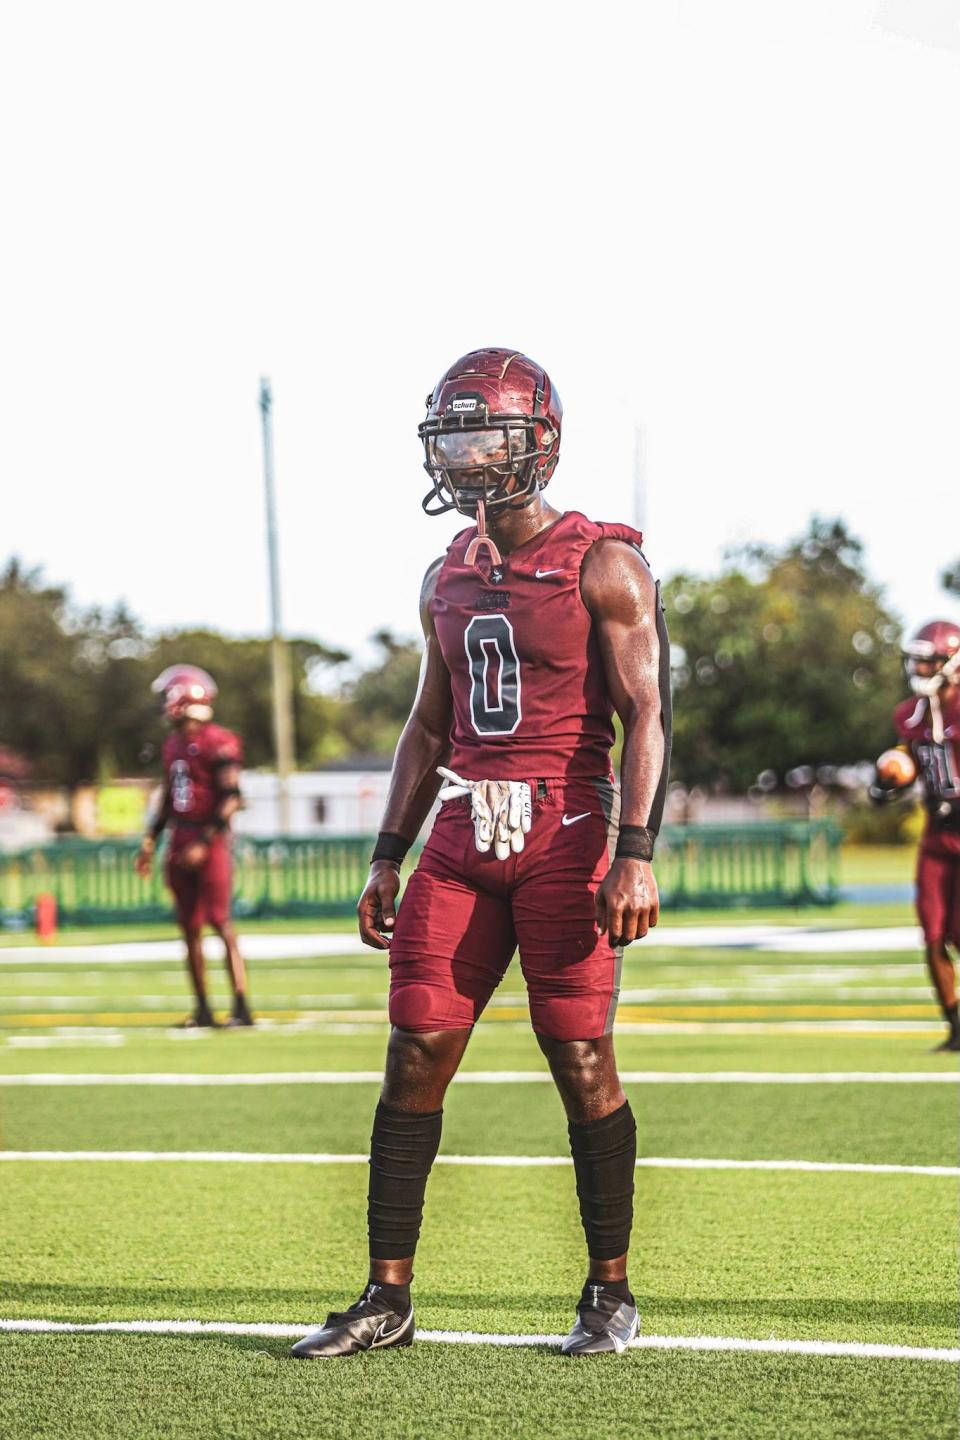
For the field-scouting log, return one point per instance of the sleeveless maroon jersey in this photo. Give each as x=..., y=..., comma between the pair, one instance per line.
x=530, y=697
x=190, y=763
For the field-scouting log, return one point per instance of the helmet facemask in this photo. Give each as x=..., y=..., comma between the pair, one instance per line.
x=499, y=460
x=178, y=706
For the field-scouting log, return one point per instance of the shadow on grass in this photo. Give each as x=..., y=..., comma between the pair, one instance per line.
x=306, y=1306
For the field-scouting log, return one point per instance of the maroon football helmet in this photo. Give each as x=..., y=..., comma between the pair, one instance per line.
x=937, y=644
x=188, y=693
x=492, y=418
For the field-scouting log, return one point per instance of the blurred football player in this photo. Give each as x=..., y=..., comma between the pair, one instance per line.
x=539, y=626
x=201, y=793
x=929, y=729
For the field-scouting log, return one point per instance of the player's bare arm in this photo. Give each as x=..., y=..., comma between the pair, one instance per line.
x=143, y=863
x=414, y=783
x=621, y=595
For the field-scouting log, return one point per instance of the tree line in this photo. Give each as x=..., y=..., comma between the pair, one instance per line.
x=76, y=703
x=788, y=657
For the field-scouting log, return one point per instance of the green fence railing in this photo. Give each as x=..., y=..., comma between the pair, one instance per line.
x=768, y=863
x=793, y=863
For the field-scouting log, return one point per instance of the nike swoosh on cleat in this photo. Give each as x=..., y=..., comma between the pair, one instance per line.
x=572, y=819
x=540, y=573
x=382, y=1336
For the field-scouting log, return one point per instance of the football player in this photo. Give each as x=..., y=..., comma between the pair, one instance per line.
x=540, y=625
x=929, y=729
x=201, y=793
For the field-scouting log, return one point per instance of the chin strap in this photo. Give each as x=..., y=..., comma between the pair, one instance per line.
x=482, y=539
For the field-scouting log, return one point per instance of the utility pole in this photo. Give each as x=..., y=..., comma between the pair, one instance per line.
x=639, y=477
x=279, y=657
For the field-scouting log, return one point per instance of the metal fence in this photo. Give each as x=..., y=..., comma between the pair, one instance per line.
x=713, y=866
x=773, y=863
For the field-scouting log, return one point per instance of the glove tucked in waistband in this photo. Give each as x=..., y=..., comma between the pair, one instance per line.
x=500, y=810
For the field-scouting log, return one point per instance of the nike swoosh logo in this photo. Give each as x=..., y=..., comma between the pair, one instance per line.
x=572, y=819
x=383, y=1335
x=540, y=573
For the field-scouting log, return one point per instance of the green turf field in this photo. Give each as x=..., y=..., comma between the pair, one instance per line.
x=854, y=1258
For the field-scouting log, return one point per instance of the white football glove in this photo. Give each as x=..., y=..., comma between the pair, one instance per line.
x=501, y=810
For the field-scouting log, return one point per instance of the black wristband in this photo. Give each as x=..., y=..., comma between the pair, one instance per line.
x=390, y=846
x=635, y=842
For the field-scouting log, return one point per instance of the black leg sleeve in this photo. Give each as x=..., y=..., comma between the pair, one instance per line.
x=604, y=1158
x=403, y=1148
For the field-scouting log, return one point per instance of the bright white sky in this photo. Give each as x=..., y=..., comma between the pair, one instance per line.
x=739, y=221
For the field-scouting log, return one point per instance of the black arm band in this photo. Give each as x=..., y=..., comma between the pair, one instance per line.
x=390, y=846
x=635, y=842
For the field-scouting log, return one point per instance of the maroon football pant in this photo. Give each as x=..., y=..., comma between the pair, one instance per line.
x=463, y=914
x=201, y=897
x=938, y=906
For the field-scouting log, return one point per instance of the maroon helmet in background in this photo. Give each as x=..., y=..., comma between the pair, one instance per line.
x=188, y=693
x=493, y=416
x=937, y=643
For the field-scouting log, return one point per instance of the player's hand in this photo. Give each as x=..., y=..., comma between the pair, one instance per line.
x=143, y=864
x=193, y=856
x=627, y=903
x=377, y=908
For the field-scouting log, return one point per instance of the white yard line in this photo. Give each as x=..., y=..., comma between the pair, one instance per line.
x=105, y=1000
x=853, y=1026
x=766, y=987
x=505, y=1162
x=61, y=1042
x=504, y=1077
x=144, y=952
x=833, y=1348
x=785, y=939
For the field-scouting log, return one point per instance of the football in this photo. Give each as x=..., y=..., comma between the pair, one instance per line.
x=897, y=768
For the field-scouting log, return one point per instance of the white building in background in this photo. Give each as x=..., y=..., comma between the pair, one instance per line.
x=322, y=802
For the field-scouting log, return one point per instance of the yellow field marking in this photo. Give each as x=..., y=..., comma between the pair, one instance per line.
x=667, y=1013
x=653, y=1014
x=171, y=1017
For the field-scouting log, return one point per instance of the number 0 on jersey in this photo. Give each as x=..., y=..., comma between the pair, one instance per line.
x=494, y=675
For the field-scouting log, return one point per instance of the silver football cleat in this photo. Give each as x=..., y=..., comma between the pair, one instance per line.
x=604, y=1325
